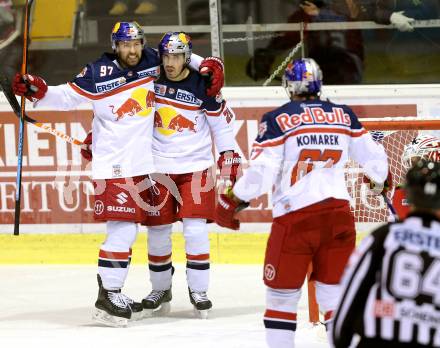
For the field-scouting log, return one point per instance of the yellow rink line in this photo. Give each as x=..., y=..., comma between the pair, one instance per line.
x=226, y=248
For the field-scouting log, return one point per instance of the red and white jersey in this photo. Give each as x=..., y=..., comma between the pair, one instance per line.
x=123, y=106
x=301, y=150
x=184, y=122
x=400, y=203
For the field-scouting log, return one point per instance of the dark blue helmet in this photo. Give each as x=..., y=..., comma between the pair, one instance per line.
x=303, y=76
x=126, y=31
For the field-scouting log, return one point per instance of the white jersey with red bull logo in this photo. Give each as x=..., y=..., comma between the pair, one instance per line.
x=123, y=105
x=184, y=120
x=301, y=150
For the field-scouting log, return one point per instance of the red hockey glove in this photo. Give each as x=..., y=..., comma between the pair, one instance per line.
x=229, y=164
x=213, y=70
x=86, y=150
x=228, y=205
x=380, y=189
x=30, y=86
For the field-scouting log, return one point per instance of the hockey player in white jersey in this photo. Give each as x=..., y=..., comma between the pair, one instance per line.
x=391, y=290
x=120, y=87
x=301, y=150
x=186, y=118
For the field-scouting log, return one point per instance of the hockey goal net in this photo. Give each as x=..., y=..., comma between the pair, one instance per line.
x=393, y=134
x=369, y=209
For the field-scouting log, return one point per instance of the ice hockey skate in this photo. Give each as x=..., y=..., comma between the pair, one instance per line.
x=200, y=301
x=157, y=303
x=113, y=308
x=136, y=307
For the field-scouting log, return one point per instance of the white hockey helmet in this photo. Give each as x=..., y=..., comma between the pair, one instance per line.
x=423, y=146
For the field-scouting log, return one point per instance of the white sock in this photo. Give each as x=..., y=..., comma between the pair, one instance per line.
x=159, y=256
x=196, y=236
x=115, y=253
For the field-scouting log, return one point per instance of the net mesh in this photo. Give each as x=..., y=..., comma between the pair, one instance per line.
x=366, y=206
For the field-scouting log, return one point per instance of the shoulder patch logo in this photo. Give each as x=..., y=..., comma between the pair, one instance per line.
x=262, y=128
x=219, y=97
x=82, y=73
x=228, y=114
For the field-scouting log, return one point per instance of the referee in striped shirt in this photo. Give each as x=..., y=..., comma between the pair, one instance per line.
x=391, y=287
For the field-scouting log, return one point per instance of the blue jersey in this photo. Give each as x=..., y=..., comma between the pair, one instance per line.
x=302, y=149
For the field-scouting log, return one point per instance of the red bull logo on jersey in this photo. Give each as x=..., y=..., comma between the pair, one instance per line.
x=150, y=99
x=157, y=120
x=141, y=103
x=179, y=123
x=129, y=108
x=313, y=115
x=168, y=121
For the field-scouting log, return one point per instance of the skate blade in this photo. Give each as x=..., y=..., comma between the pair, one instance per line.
x=104, y=318
x=201, y=313
x=162, y=310
x=317, y=331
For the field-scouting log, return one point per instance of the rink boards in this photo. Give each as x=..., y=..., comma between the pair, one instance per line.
x=57, y=211
x=68, y=248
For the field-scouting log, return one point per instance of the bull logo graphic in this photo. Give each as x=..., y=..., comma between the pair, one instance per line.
x=140, y=103
x=168, y=121
x=157, y=120
x=129, y=108
x=179, y=123
x=150, y=100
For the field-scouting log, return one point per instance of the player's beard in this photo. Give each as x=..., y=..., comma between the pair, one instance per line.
x=130, y=60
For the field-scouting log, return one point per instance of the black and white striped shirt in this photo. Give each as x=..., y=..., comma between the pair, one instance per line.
x=391, y=287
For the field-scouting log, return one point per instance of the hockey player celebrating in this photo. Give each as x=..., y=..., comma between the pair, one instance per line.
x=301, y=150
x=390, y=289
x=186, y=118
x=423, y=146
x=120, y=87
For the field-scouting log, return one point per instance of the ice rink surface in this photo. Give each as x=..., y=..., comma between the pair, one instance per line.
x=51, y=306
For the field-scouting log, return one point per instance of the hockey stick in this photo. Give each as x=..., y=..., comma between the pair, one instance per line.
x=6, y=86
x=22, y=114
x=390, y=207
